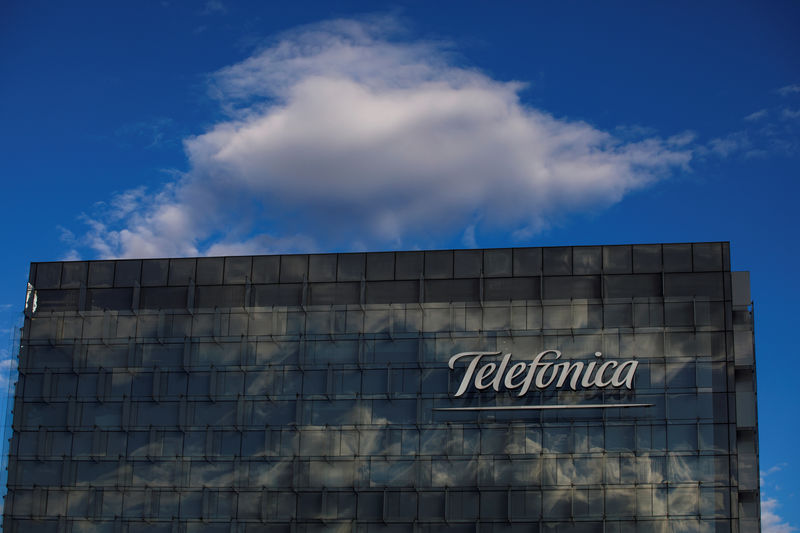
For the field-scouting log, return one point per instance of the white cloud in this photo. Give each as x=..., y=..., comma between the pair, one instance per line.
x=338, y=134
x=214, y=6
x=770, y=521
x=756, y=115
x=730, y=144
x=789, y=89
x=790, y=114
x=468, y=237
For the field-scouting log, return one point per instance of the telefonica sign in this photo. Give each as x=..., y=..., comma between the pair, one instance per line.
x=543, y=372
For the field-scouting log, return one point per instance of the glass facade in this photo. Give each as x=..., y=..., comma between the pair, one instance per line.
x=305, y=393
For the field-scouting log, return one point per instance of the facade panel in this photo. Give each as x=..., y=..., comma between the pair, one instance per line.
x=569, y=389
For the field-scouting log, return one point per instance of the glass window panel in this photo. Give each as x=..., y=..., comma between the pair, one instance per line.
x=677, y=257
x=682, y=437
x=683, y=501
x=431, y=505
x=497, y=263
x=528, y=261
x=409, y=265
x=294, y=268
x=619, y=438
x=681, y=374
x=209, y=270
x=512, y=289
x=181, y=271
x=587, y=259
x=322, y=267
x=557, y=316
x=154, y=272
x=219, y=297
x=620, y=502
x=651, y=469
x=707, y=256
x=556, y=504
x=370, y=505
x=617, y=259
x=56, y=300
x=494, y=505
x=462, y=505
x=566, y=287
x=557, y=440
x=647, y=258
x=497, y=318
x=526, y=504
x=439, y=264
x=452, y=290
x=285, y=294
x=618, y=315
x=698, y=284
x=557, y=261
x=266, y=269
x=380, y=266
x=48, y=275
x=679, y=314
x=101, y=274
x=237, y=269
x=632, y=285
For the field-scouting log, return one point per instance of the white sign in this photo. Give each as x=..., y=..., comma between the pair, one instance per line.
x=544, y=371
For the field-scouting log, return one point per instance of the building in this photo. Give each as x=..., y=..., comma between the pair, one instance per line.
x=581, y=389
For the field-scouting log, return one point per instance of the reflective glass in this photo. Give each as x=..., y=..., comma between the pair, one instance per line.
x=313, y=392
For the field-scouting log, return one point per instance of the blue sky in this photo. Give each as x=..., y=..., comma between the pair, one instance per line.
x=228, y=127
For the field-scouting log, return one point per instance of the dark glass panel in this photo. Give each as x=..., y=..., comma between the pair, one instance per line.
x=220, y=296
x=587, y=260
x=127, y=273
x=707, y=256
x=278, y=294
x=556, y=504
x=380, y=266
x=647, y=258
x=380, y=292
x=557, y=261
x=101, y=299
x=409, y=265
x=72, y=274
x=181, y=271
x=617, y=259
x=455, y=290
x=497, y=263
x=56, y=300
x=618, y=315
x=632, y=285
x=101, y=274
x=726, y=256
x=699, y=284
x=565, y=287
x=677, y=257
x=334, y=293
x=163, y=298
x=370, y=506
x=527, y=261
x=502, y=289
x=209, y=270
x=294, y=268
x=48, y=275
x=322, y=267
x=154, y=272
x=266, y=269
x=467, y=263
x=237, y=269
x=351, y=267
x=439, y=265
